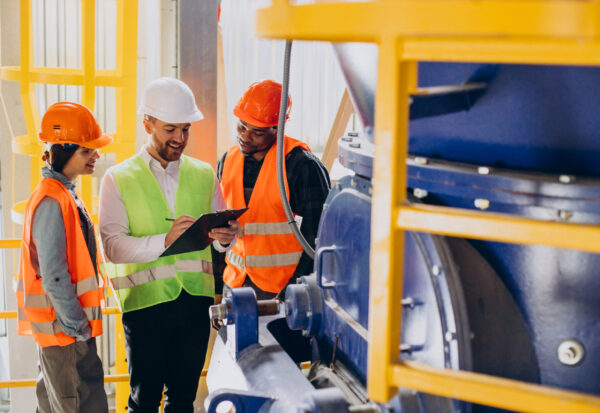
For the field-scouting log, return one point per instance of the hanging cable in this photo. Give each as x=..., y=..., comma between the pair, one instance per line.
x=280, y=154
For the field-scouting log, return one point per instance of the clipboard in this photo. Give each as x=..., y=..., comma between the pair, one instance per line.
x=196, y=238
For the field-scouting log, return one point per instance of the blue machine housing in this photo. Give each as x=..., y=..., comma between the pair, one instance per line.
x=525, y=144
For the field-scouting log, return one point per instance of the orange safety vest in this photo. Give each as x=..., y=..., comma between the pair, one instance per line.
x=266, y=249
x=36, y=314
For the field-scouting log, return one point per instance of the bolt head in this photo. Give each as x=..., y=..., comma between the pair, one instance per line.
x=450, y=336
x=570, y=352
x=564, y=215
x=566, y=179
x=419, y=160
x=482, y=204
x=420, y=193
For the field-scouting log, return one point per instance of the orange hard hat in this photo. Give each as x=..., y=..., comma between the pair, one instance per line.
x=68, y=122
x=259, y=106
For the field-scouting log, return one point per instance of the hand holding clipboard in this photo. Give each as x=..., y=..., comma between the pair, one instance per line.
x=196, y=237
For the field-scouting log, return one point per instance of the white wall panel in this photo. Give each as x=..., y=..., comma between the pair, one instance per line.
x=316, y=81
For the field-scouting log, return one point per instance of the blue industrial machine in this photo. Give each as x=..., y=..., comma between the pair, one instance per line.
x=522, y=140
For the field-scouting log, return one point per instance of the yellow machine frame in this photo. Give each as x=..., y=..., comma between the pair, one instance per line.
x=407, y=31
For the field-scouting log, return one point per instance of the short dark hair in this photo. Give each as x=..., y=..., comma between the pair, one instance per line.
x=59, y=155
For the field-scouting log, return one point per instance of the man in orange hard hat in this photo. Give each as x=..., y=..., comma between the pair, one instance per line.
x=267, y=255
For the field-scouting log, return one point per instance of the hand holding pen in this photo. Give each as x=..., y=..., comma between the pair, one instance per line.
x=179, y=226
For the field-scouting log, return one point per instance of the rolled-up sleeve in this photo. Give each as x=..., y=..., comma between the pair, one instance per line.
x=48, y=231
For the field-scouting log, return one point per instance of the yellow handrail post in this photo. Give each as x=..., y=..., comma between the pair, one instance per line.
x=387, y=243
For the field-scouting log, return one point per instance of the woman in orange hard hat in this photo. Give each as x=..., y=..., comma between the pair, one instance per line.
x=60, y=293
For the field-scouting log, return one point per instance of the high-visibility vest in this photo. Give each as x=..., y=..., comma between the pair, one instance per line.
x=266, y=249
x=36, y=314
x=141, y=285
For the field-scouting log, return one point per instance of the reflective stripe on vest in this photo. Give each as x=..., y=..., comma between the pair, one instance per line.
x=160, y=273
x=43, y=301
x=50, y=327
x=273, y=260
x=267, y=228
x=235, y=259
x=53, y=327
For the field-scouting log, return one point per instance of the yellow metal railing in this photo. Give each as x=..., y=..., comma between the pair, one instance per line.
x=406, y=31
x=123, y=78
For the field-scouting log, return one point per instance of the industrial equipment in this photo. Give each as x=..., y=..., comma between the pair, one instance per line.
x=519, y=140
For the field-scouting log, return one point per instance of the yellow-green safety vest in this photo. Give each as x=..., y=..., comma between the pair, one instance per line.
x=141, y=285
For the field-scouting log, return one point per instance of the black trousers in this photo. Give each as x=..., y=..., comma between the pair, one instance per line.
x=166, y=345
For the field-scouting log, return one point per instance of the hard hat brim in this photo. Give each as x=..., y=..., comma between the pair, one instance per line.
x=98, y=143
x=170, y=118
x=250, y=120
x=101, y=142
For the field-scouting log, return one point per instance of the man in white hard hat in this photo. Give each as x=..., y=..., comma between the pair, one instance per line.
x=146, y=202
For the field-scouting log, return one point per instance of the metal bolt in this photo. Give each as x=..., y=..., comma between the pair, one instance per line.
x=309, y=314
x=346, y=139
x=370, y=190
x=564, y=215
x=420, y=193
x=482, y=204
x=354, y=134
x=354, y=145
x=566, y=179
x=353, y=183
x=570, y=352
x=450, y=336
x=218, y=312
x=408, y=302
x=419, y=160
x=483, y=170
x=435, y=270
x=305, y=333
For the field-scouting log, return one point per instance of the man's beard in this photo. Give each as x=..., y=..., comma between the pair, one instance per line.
x=164, y=153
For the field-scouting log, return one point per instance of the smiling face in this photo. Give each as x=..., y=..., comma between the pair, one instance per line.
x=82, y=162
x=253, y=140
x=168, y=140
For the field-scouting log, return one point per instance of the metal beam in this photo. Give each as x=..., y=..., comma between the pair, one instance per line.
x=198, y=69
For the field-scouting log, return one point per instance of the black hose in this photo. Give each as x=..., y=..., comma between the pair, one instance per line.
x=280, y=154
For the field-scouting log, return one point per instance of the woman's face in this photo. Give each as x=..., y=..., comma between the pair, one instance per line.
x=82, y=162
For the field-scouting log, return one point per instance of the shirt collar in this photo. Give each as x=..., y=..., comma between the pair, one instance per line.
x=49, y=173
x=145, y=155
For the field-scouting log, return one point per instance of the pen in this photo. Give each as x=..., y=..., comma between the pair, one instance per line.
x=169, y=219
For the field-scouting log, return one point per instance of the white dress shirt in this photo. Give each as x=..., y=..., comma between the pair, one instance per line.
x=119, y=246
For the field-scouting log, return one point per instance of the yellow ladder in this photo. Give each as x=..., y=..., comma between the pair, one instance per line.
x=407, y=31
x=123, y=78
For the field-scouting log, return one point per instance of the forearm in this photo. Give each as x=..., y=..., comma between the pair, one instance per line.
x=121, y=248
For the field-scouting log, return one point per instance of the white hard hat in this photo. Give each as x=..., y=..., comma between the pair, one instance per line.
x=169, y=100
